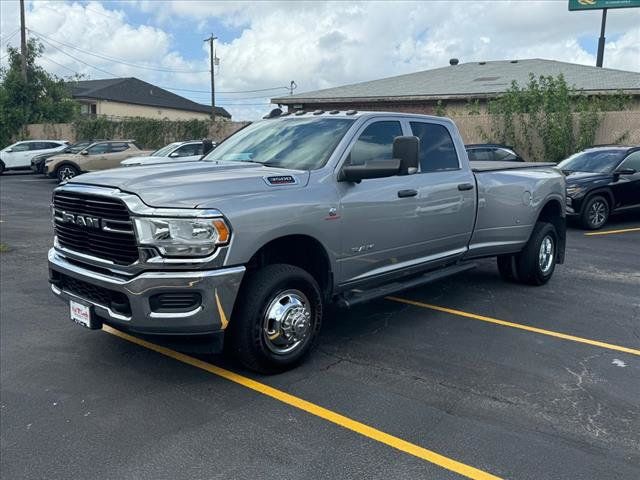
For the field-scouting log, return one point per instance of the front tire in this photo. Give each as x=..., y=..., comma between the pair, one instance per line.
x=537, y=261
x=595, y=213
x=277, y=318
x=66, y=172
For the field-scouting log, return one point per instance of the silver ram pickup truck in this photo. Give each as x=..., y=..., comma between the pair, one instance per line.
x=249, y=247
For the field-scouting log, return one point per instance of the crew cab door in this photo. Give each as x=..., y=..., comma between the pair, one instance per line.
x=446, y=193
x=405, y=221
x=626, y=189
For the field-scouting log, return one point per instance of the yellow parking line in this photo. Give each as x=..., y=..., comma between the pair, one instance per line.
x=313, y=409
x=609, y=232
x=519, y=326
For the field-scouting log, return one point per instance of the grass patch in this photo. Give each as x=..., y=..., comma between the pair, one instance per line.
x=4, y=247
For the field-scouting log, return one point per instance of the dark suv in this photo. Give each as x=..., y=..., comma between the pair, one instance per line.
x=600, y=181
x=492, y=152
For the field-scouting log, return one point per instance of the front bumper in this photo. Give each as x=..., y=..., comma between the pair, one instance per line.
x=217, y=289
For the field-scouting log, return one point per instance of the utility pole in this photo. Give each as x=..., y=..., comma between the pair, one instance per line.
x=213, y=84
x=601, y=40
x=23, y=44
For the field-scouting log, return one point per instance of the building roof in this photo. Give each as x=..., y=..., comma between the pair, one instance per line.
x=473, y=80
x=135, y=91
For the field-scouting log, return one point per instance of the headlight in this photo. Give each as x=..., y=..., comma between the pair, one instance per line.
x=182, y=237
x=574, y=190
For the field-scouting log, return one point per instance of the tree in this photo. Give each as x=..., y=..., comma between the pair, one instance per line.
x=43, y=98
x=547, y=119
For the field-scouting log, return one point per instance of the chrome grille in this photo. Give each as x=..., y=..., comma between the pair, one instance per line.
x=114, y=240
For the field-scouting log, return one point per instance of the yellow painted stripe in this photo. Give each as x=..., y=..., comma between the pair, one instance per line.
x=609, y=232
x=313, y=409
x=519, y=326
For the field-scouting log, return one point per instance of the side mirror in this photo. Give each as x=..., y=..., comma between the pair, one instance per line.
x=407, y=150
x=376, y=169
x=9, y=150
x=84, y=152
x=173, y=154
x=626, y=171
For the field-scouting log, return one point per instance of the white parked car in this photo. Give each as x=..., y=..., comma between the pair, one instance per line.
x=19, y=154
x=190, y=151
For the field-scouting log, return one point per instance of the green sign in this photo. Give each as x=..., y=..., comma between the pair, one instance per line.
x=599, y=4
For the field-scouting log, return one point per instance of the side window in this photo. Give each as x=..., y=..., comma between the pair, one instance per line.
x=38, y=145
x=504, y=155
x=98, y=149
x=119, y=147
x=480, y=155
x=375, y=142
x=21, y=147
x=189, y=150
x=437, y=152
x=632, y=161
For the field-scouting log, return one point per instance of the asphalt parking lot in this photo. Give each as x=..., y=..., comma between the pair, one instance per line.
x=468, y=376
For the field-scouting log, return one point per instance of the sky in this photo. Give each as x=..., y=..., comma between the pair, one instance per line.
x=264, y=45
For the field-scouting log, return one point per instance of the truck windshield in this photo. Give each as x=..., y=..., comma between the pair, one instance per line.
x=598, y=161
x=296, y=143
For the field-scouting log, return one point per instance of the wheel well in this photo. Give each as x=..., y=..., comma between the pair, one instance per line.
x=64, y=164
x=299, y=250
x=603, y=193
x=552, y=212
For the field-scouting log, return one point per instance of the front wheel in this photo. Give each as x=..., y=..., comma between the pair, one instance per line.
x=277, y=318
x=537, y=261
x=66, y=172
x=595, y=213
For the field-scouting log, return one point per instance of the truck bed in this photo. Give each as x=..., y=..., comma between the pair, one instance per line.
x=490, y=166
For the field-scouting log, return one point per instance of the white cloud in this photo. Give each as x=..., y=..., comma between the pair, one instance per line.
x=321, y=44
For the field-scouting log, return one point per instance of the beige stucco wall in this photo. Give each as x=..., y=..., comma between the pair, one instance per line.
x=118, y=109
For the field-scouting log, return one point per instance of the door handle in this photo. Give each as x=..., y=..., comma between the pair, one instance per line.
x=465, y=186
x=407, y=193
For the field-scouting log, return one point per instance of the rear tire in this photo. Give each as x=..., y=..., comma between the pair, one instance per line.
x=277, y=319
x=66, y=172
x=537, y=261
x=595, y=213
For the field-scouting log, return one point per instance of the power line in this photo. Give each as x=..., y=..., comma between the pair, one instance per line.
x=74, y=58
x=104, y=57
x=5, y=39
x=60, y=65
x=116, y=60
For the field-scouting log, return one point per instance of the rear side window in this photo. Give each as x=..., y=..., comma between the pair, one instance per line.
x=375, y=142
x=437, y=152
x=119, y=147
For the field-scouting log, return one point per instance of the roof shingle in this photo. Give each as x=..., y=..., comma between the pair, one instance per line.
x=475, y=79
x=135, y=91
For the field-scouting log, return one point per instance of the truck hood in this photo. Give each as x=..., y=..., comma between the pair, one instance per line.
x=193, y=184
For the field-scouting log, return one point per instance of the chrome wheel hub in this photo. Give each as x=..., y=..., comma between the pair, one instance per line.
x=546, y=254
x=597, y=213
x=287, y=322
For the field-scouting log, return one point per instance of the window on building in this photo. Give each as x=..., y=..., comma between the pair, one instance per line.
x=437, y=151
x=375, y=142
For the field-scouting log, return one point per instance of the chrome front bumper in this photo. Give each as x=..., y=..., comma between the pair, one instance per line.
x=218, y=290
